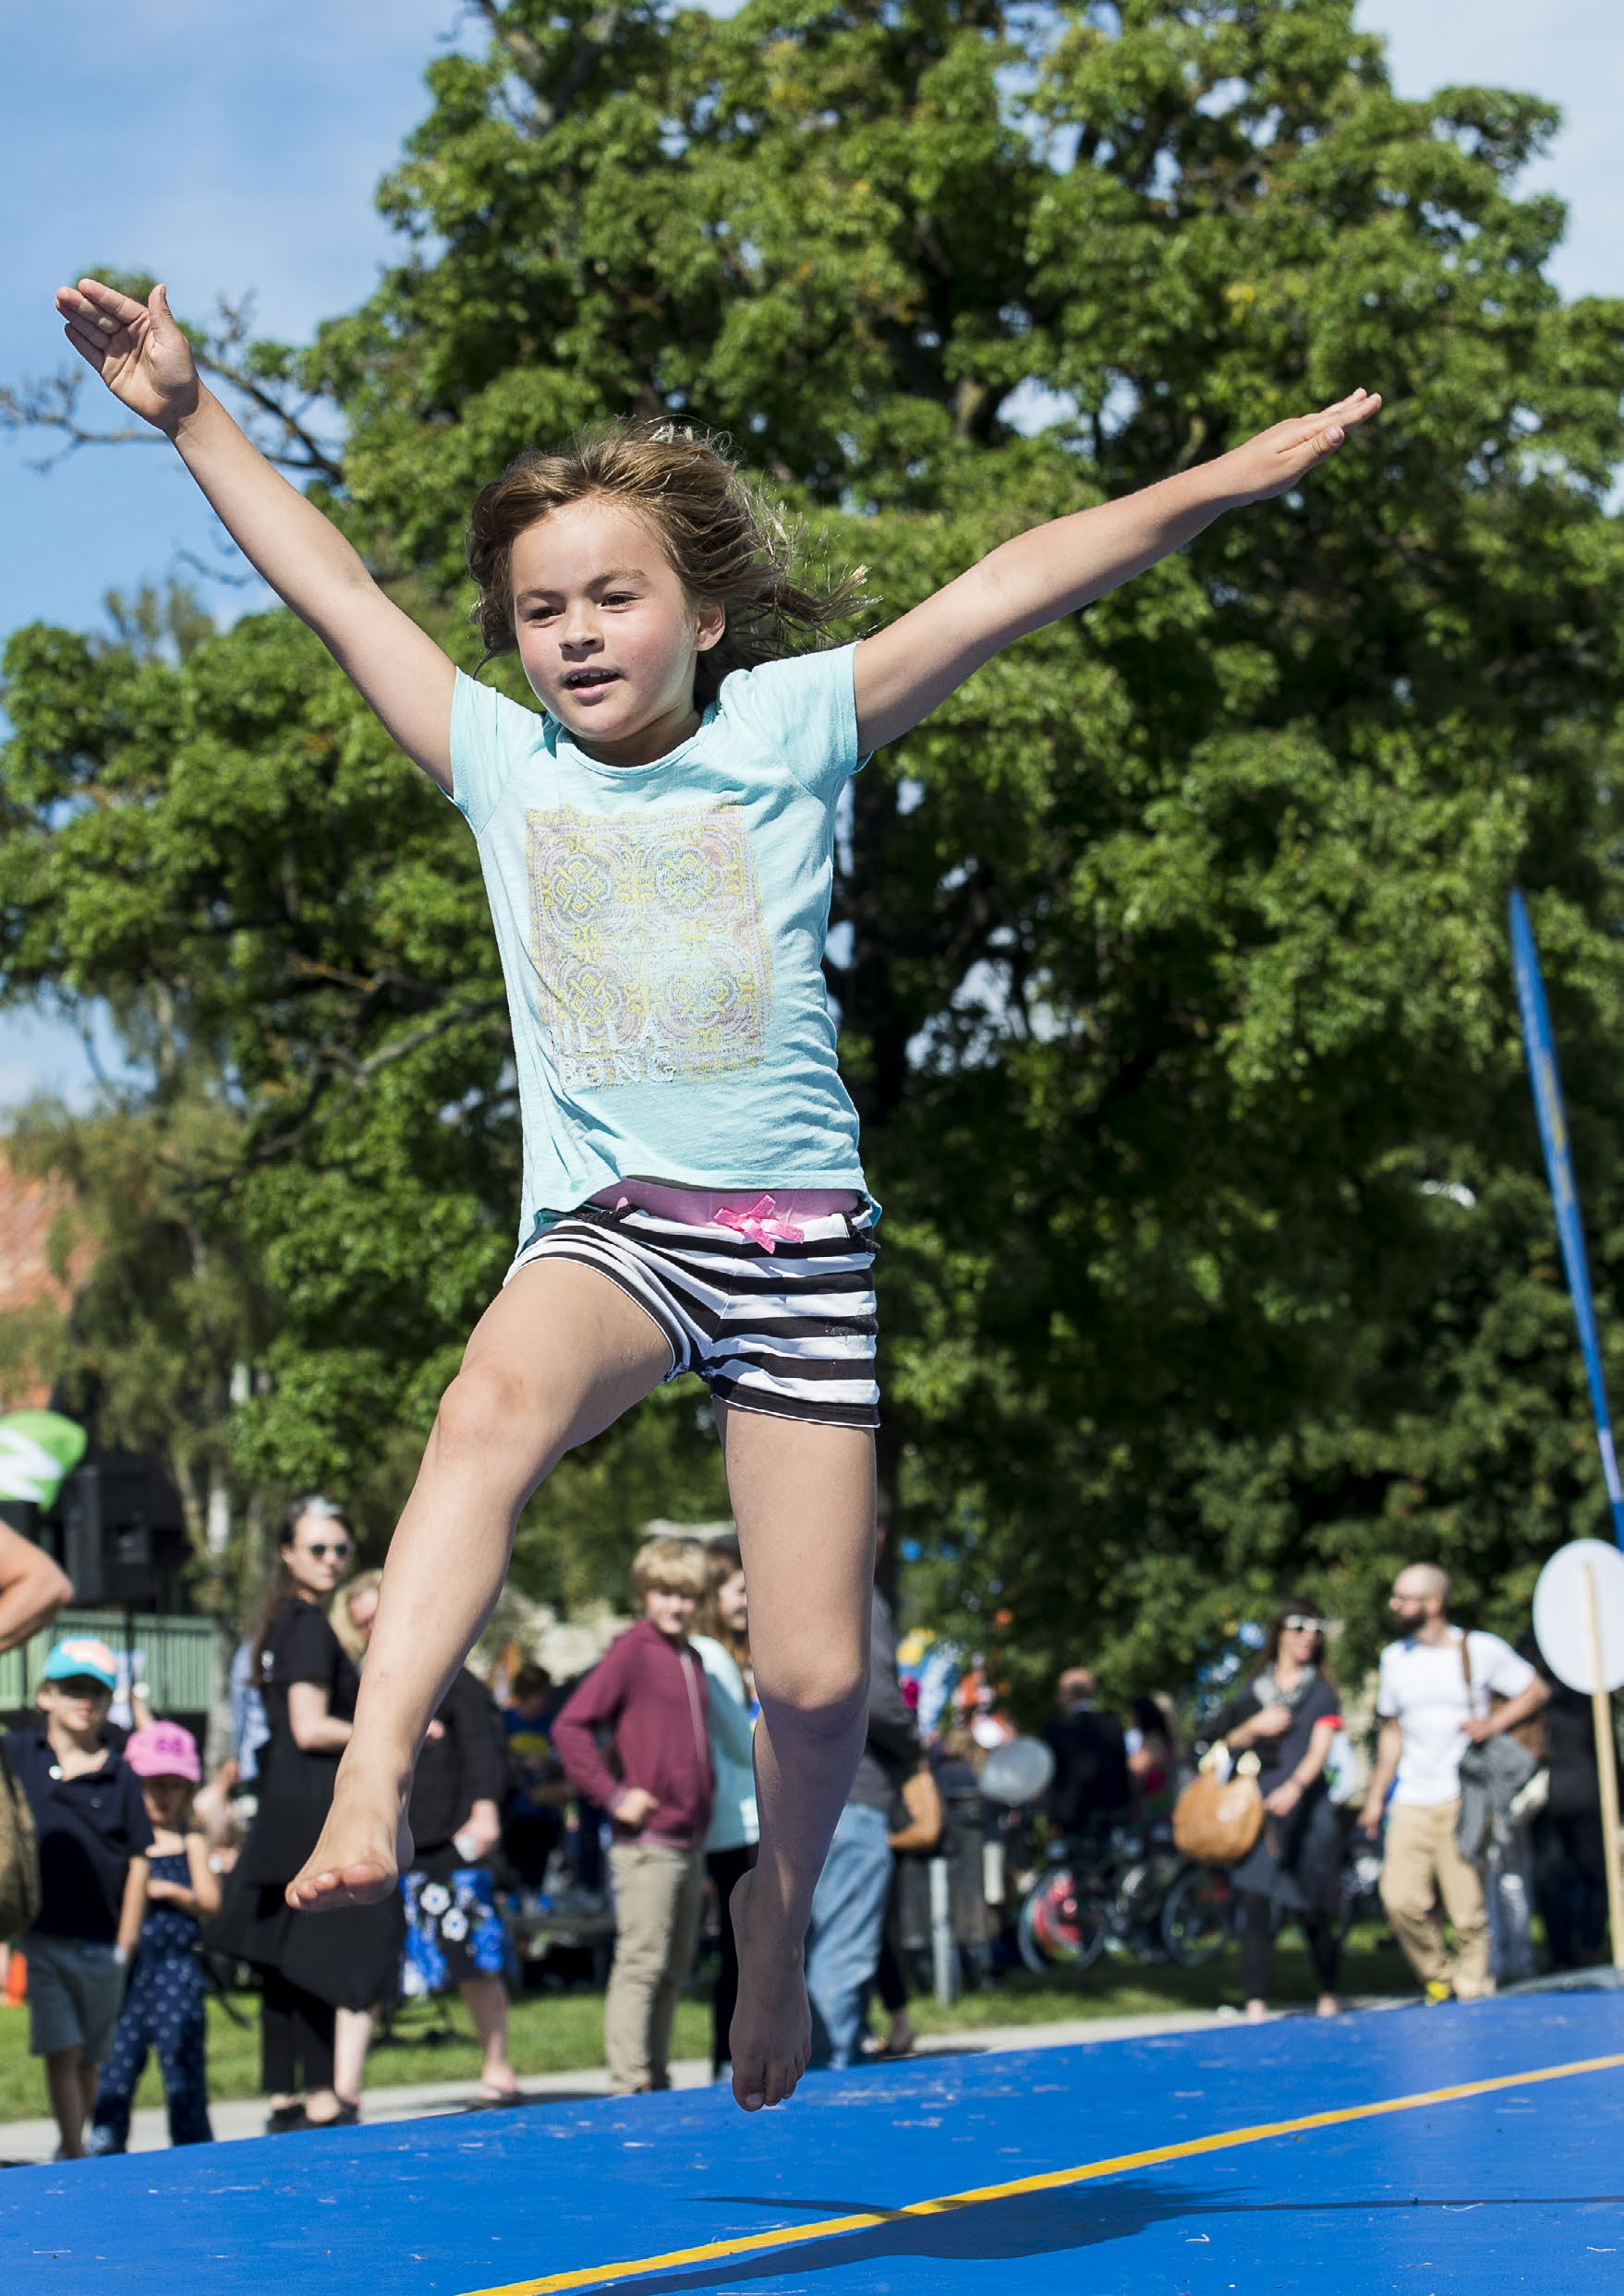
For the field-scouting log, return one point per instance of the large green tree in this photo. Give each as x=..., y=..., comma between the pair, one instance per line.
x=1170, y=953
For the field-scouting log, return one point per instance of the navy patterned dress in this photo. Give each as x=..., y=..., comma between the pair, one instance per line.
x=163, y=2010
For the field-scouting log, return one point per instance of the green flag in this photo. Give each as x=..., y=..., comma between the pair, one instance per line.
x=38, y=1450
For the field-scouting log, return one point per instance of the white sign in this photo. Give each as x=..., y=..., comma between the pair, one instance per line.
x=1561, y=1615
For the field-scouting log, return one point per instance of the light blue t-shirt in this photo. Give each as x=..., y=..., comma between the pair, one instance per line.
x=662, y=931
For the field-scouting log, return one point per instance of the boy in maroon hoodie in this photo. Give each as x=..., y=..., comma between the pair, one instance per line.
x=648, y=1691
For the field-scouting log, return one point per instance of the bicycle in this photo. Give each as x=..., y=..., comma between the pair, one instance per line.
x=1128, y=1894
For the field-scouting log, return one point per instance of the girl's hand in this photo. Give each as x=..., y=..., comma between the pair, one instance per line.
x=1278, y=457
x=136, y=349
x=481, y=1830
x=1271, y=1721
x=1284, y=1799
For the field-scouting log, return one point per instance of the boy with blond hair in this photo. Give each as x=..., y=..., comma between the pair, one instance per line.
x=648, y=1693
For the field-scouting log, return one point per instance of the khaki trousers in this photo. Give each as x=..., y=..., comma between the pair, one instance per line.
x=659, y=1892
x=1422, y=1864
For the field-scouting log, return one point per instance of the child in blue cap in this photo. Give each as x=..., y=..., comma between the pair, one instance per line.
x=93, y=1827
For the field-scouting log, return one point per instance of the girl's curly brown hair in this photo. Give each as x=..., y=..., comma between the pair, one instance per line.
x=729, y=546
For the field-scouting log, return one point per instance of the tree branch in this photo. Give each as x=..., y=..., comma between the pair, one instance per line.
x=279, y=1138
x=301, y=450
x=552, y=98
x=51, y=404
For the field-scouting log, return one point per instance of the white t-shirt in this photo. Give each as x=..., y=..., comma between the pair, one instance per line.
x=1423, y=1687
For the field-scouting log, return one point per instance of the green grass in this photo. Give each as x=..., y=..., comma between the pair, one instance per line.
x=563, y=2032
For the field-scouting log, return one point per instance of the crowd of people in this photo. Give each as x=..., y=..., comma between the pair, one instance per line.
x=1464, y=1831
x=150, y=1877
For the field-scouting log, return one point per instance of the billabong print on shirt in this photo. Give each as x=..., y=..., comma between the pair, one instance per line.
x=649, y=947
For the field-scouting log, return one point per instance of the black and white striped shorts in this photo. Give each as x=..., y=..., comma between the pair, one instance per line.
x=790, y=1332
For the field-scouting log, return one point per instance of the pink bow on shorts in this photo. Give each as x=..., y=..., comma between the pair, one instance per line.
x=763, y=1224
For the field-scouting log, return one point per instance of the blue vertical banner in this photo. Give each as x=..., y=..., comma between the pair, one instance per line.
x=1553, y=1133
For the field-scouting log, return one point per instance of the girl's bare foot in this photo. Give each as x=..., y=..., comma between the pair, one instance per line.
x=364, y=1848
x=1329, y=2006
x=771, y=2034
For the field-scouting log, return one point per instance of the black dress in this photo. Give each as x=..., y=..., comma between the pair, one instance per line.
x=347, y=1959
x=1296, y=1860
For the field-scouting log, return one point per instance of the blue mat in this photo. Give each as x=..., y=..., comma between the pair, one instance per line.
x=1520, y=2185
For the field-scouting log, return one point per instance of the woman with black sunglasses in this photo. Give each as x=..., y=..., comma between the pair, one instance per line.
x=309, y=1969
x=1288, y=1715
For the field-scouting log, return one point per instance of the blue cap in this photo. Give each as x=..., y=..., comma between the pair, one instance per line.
x=82, y=1655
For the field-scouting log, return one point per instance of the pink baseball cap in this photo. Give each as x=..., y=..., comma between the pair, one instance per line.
x=164, y=1750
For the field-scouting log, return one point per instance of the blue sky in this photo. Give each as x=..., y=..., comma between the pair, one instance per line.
x=234, y=150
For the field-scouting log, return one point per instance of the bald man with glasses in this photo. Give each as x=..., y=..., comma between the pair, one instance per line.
x=1435, y=1698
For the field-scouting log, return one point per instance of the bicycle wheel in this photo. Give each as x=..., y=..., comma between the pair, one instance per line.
x=1199, y=1916
x=1063, y=1924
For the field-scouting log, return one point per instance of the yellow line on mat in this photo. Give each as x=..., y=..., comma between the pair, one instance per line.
x=830, y=2228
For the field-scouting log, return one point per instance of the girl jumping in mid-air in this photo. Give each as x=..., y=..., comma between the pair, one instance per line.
x=657, y=846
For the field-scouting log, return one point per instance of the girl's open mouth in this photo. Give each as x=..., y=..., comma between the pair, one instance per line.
x=589, y=681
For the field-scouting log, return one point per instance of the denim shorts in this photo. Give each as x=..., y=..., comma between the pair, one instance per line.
x=75, y=1990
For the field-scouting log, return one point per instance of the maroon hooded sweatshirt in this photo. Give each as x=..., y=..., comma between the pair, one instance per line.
x=651, y=1693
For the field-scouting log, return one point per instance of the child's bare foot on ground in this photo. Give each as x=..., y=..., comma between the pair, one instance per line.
x=771, y=2034
x=365, y=1847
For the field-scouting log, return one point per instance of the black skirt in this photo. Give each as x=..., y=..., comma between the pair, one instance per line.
x=1297, y=1861
x=348, y=1958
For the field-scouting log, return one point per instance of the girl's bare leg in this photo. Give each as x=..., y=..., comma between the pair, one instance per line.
x=352, y=2038
x=554, y=1359
x=487, y=2002
x=803, y=1496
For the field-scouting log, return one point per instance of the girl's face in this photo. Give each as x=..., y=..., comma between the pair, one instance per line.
x=607, y=633
x=363, y=1610
x=165, y=1799
x=733, y=1603
x=318, y=1552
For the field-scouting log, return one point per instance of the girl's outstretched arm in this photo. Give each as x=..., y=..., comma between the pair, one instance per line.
x=902, y=673
x=147, y=363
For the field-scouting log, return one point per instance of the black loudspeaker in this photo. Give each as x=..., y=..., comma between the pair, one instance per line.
x=123, y=1540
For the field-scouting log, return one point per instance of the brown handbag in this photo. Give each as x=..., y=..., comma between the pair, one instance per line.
x=1219, y=1820
x=19, y=1856
x=922, y=1800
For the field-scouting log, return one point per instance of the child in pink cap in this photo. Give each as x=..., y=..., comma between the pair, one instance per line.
x=163, y=2009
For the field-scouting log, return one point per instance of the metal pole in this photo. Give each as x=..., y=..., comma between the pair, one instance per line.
x=944, y=1949
x=1601, y=1707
